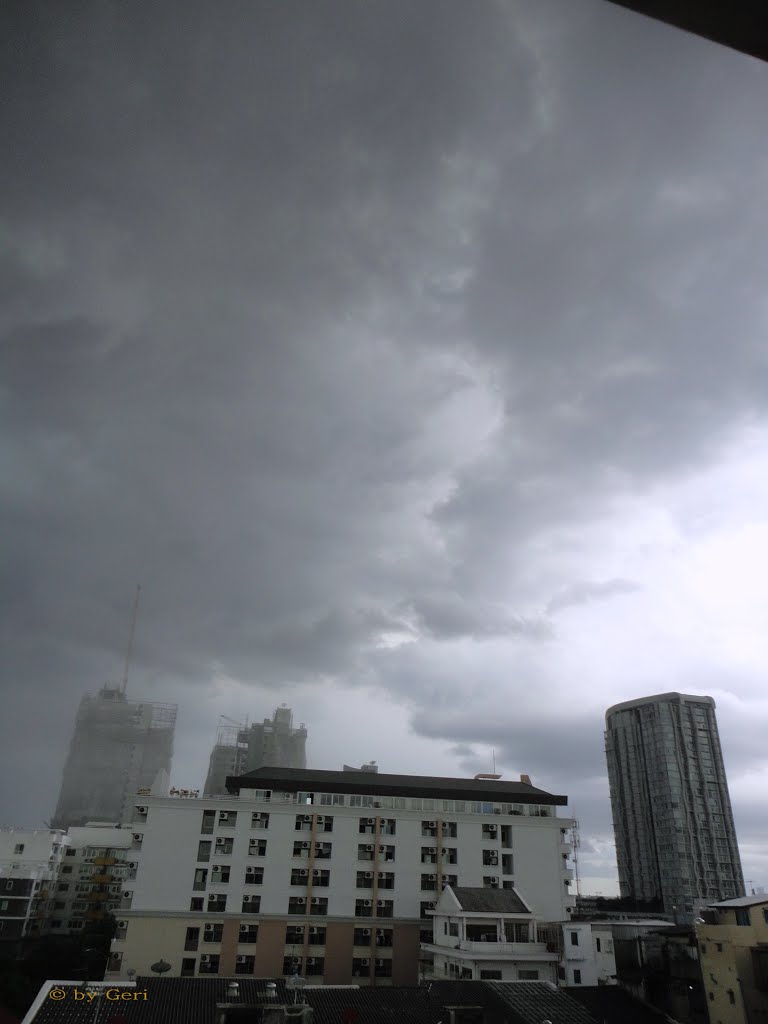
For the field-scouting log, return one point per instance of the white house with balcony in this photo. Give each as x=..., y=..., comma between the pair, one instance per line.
x=588, y=954
x=491, y=935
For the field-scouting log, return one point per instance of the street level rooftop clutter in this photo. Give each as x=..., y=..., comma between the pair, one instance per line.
x=199, y=1001
x=294, y=780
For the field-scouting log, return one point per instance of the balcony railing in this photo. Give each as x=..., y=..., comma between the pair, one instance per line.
x=505, y=950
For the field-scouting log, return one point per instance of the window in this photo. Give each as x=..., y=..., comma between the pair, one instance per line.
x=297, y=905
x=196, y=903
x=386, y=880
x=363, y=908
x=204, y=850
x=742, y=917
x=598, y=947
x=213, y=932
x=526, y=975
x=718, y=947
x=251, y=904
x=71, y=853
x=364, y=880
x=245, y=964
x=453, y=930
x=227, y=819
x=731, y=997
x=490, y=975
x=209, y=963
x=61, y=887
x=224, y=846
x=192, y=938
x=383, y=969
x=254, y=876
x=18, y=848
x=294, y=935
x=362, y=937
x=576, y=977
x=257, y=847
x=220, y=873
x=574, y=938
x=249, y=933
x=201, y=880
x=188, y=967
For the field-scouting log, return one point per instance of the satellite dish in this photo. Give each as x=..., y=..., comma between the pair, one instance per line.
x=160, y=967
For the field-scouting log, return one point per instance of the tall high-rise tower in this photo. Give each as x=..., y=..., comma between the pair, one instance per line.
x=273, y=743
x=118, y=747
x=675, y=837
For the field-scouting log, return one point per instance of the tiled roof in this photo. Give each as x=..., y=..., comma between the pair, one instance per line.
x=293, y=779
x=492, y=901
x=612, y=1004
x=194, y=1001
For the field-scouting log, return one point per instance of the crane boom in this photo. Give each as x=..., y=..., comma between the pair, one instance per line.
x=129, y=652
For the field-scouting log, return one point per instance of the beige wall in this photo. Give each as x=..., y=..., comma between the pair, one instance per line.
x=405, y=953
x=338, y=953
x=270, y=949
x=732, y=968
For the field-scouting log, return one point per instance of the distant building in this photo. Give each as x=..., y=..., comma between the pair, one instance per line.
x=330, y=874
x=273, y=743
x=733, y=948
x=29, y=865
x=119, y=746
x=675, y=836
x=92, y=876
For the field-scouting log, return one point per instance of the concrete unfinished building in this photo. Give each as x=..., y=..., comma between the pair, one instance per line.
x=119, y=746
x=273, y=743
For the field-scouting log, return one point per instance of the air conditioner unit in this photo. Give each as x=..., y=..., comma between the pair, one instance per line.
x=250, y=871
x=296, y=960
x=243, y=929
x=301, y=900
x=310, y=961
x=369, y=874
x=142, y=810
x=127, y=895
x=220, y=842
x=212, y=897
x=305, y=846
x=380, y=963
x=316, y=873
x=208, y=929
x=370, y=849
x=240, y=959
x=371, y=821
x=137, y=836
x=364, y=963
x=216, y=869
x=255, y=816
x=492, y=828
x=313, y=931
x=431, y=824
x=307, y=817
x=366, y=931
x=382, y=849
x=133, y=865
x=379, y=933
x=205, y=959
x=246, y=899
x=122, y=924
x=315, y=901
x=380, y=903
x=303, y=873
x=251, y=842
x=367, y=903
x=320, y=817
x=494, y=883
x=432, y=878
x=382, y=875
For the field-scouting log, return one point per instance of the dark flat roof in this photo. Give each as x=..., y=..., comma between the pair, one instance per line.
x=293, y=780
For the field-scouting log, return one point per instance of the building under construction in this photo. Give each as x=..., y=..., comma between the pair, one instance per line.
x=119, y=746
x=273, y=743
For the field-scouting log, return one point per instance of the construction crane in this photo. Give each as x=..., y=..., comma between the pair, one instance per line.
x=129, y=652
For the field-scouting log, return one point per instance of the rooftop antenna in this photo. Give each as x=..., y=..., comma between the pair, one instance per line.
x=493, y=753
x=129, y=652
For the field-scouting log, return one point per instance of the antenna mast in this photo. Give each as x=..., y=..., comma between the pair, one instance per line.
x=129, y=652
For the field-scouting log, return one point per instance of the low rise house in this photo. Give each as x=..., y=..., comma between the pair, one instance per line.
x=733, y=950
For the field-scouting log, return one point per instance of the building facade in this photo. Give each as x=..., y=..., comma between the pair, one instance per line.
x=91, y=877
x=329, y=874
x=272, y=743
x=733, y=951
x=118, y=747
x=672, y=817
x=29, y=866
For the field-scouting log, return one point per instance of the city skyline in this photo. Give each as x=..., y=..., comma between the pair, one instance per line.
x=411, y=357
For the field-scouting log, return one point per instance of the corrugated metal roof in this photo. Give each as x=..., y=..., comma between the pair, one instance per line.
x=612, y=1004
x=194, y=1001
x=742, y=901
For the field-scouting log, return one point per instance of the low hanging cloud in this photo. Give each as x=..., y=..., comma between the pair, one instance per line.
x=584, y=592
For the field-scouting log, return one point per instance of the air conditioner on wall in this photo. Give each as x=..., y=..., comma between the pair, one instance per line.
x=127, y=895
x=307, y=817
x=431, y=824
x=122, y=924
x=310, y=961
x=205, y=959
x=369, y=874
x=142, y=810
x=240, y=959
x=371, y=821
x=303, y=873
x=243, y=928
x=305, y=846
x=251, y=842
x=296, y=960
x=315, y=901
x=364, y=963
x=255, y=816
x=133, y=865
x=220, y=842
x=313, y=931
x=367, y=903
x=301, y=900
x=366, y=931
x=320, y=818
x=137, y=836
x=370, y=849
x=223, y=816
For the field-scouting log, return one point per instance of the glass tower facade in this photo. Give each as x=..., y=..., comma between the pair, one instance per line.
x=672, y=818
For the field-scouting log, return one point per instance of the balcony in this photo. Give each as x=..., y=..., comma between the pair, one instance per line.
x=502, y=950
x=105, y=861
x=102, y=879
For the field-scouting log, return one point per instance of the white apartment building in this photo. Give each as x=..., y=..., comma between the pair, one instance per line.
x=29, y=865
x=331, y=875
x=492, y=935
x=588, y=954
x=91, y=878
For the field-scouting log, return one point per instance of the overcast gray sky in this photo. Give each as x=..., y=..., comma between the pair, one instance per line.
x=412, y=356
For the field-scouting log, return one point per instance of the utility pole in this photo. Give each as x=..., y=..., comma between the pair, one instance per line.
x=129, y=652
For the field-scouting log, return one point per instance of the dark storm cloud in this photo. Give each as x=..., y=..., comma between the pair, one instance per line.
x=256, y=269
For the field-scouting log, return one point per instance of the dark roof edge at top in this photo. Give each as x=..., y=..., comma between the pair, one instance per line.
x=375, y=783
